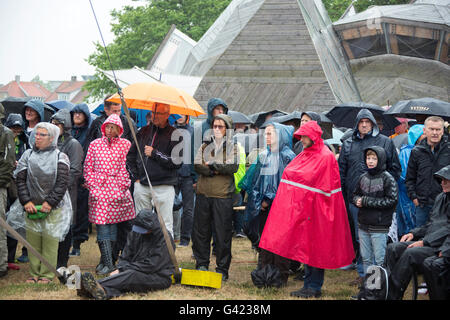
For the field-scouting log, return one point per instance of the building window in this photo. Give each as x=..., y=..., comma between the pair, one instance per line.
x=367, y=46
x=417, y=47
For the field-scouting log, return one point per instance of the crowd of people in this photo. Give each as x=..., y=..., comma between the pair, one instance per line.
x=309, y=205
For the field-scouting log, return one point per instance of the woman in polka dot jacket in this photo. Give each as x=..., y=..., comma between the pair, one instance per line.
x=108, y=182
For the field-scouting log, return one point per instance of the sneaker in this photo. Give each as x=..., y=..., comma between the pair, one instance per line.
x=90, y=285
x=202, y=268
x=306, y=293
x=75, y=253
x=3, y=273
x=183, y=244
x=13, y=266
x=23, y=259
x=224, y=277
x=240, y=235
x=423, y=290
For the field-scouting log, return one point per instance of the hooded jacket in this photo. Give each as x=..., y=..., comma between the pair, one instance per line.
x=73, y=149
x=263, y=177
x=216, y=180
x=212, y=103
x=351, y=159
x=80, y=133
x=7, y=154
x=107, y=179
x=308, y=220
x=379, y=194
x=298, y=147
x=21, y=141
x=147, y=253
x=422, y=164
x=436, y=232
x=37, y=106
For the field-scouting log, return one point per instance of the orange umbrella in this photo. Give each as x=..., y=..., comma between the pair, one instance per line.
x=144, y=95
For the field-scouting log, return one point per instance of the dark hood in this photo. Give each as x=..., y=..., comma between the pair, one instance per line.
x=148, y=220
x=37, y=106
x=15, y=120
x=63, y=116
x=366, y=114
x=444, y=173
x=212, y=103
x=82, y=107
x=381, y=155
x=313, y=115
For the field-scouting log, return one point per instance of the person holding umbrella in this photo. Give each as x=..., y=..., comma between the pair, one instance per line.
x=155, y=140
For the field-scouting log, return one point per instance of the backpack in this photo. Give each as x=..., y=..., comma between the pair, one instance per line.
x=267, y=276
x=375, y=284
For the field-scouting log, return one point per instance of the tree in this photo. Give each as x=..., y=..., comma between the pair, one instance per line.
x=139, y=32
x=336, y=8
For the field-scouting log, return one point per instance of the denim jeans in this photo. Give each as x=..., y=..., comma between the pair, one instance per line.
x=422, y=213
x=354, y=212
x=313, y=278
x=106, y=232
x=372, y=246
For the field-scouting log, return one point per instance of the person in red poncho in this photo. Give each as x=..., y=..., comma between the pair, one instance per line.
x=308, y=220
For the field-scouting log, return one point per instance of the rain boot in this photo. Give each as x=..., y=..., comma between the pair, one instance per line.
x=100, y=265
x=106, y=255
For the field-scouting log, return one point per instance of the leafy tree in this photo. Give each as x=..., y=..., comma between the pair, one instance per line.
x=139, y=32
x=336, y=8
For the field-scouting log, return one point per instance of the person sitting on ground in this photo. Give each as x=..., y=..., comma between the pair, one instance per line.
x=407, y=256
x=145, y=264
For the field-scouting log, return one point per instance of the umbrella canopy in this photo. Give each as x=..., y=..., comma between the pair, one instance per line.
x=260, y=117
x=16, y=105
x=60, y=104
x=239, y=117
x=414, y=108
x=144, y=95
x=344, y=115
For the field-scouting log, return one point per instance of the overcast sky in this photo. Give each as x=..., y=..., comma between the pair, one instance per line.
x=51, y=38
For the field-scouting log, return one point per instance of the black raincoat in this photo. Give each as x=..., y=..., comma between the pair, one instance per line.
x=145, y=263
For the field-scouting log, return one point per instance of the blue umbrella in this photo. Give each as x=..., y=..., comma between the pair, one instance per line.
x=60, y=104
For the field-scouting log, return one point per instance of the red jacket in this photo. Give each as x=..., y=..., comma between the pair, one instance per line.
x=107, y=178
x=308, y=219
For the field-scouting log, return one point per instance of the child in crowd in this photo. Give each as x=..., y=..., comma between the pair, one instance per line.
x=376, y=197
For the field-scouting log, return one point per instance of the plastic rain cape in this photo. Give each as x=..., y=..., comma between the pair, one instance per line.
x=41, y=166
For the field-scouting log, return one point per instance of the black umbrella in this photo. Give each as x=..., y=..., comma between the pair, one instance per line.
x=344, y=115
x=60, y=104
x=16, y=105
x=239, y=117
x=260, y=117
x=282, y=118
x=414, y=108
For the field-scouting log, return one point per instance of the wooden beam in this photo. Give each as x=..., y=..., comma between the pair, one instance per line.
x=394, y=44
x=348, y=50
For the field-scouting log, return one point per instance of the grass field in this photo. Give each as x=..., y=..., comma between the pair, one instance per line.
x=238, y=287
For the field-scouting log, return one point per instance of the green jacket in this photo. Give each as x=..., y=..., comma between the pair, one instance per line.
x=7, y=152
x=242, y=167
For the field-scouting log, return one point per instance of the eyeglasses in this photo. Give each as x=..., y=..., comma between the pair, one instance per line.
x=219, y=127
x=38, y=134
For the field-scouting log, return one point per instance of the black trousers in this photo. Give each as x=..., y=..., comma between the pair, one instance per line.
x=187, y=219
x=401, y=262
x=212, y=213
x=436, y=272
x=133, y=281
x=81, y=220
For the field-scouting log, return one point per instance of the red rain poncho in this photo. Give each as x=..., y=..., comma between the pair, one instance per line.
x=308, y=219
